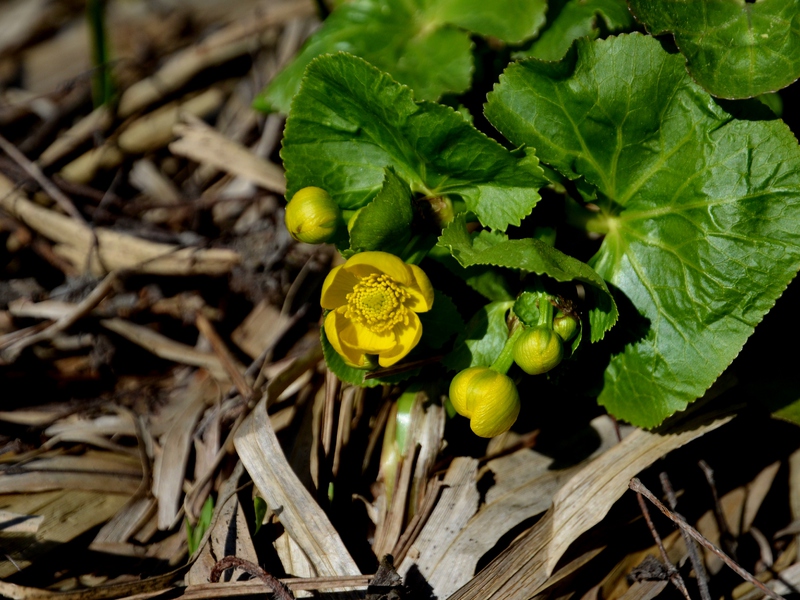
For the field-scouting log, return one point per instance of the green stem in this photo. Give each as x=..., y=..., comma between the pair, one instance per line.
x=418, y=248
x=503, y=362
x=581, y=217
x=102, y=84
x=545, y=312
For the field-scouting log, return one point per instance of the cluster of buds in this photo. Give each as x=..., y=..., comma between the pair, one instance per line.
x=487, y=396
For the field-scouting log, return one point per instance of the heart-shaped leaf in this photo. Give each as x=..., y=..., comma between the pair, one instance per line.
x=733, y=48
x=350, y=121
x=702, y=209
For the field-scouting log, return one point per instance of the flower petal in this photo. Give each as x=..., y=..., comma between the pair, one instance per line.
x=365, y=340
x=366, y=263
x=334, y=322
x=336, y=286
x=421, y=291
x=407, y=337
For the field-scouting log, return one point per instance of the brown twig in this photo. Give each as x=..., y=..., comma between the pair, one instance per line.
x=674, y=576
x=12, y=350
x=691, y=546
x=638, y=487
x=36, y=173
x=279, y=591
x=726, y=538
x=223, y=354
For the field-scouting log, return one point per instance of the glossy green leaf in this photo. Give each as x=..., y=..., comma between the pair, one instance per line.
x=489, y=282
x=385, y=223
x=532, y=256
x=511, y=21
x=702, y=209
x=350, y=121
x=482, y=340
x=572, y=19
x=424, y=44
x=733, y=48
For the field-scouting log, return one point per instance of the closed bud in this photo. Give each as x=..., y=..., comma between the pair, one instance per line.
x=538, y=350
x=312, y=216
x=487, y=398
x=566, y=326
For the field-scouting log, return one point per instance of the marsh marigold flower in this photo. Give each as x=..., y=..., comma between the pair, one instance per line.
x=373, y=300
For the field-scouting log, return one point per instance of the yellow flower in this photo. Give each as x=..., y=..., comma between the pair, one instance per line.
x=487, y=398
x=374, y=299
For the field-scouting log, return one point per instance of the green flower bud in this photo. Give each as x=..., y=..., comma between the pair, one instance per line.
x=538, y=350
x=566, y=326
x=312, y=216
x=487, y=398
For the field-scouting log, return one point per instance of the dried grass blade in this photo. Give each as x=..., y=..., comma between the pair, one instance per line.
x=169, y=470
x=261, y=453
x=203, y=144
x=236, y=39
x=165, y=348
x=522, y=568
x=111, y=250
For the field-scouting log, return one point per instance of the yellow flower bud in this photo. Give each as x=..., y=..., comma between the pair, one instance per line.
x=566, y=326
x=487, y=398
x=538, y=350
x=312, y=216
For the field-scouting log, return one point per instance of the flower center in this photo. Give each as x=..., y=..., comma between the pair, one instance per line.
x=377, y=302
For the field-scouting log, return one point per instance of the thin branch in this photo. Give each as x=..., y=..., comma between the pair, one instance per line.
x=223, y=354
x=36, y=173
x=674, y=576
x=726, y=538
x=10, y=351
x=279, y=590
x=638, y=487
x=691, y=545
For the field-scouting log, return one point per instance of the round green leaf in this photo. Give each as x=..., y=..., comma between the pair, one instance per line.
x=702, y=209
x=733, y=48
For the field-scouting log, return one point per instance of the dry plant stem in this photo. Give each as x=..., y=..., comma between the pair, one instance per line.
x=207, y=329
x=638, y=487
x=279, y=591
x=253, y=587
x=691, y=546
x=674, y=576
x=36, y=173
x=227, y=447
x=82, y=308
x=258, y=365
x=332, y=389
x=726, y=538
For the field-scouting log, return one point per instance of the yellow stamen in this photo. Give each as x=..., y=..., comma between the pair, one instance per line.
x=378, y=303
